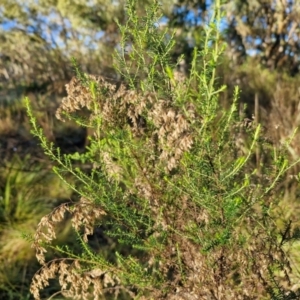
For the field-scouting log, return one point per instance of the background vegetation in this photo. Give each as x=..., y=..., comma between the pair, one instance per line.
x=38, y=39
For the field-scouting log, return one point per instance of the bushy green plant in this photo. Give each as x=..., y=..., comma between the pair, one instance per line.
x=171, y=180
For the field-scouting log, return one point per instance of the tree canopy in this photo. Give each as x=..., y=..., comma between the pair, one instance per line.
x=38, y=38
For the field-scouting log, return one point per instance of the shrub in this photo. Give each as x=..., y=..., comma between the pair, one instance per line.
x=173, y=180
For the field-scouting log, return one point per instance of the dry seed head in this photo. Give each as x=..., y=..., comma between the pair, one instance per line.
x=117, y=105
x=113, y=169
x=74, y=283
x=83, y=214
x=78, y=97
x=45, y=231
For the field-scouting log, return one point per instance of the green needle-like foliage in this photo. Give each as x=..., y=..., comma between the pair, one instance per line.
x=173, y=180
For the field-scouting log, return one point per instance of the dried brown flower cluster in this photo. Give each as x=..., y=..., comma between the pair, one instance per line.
x=83, y=215
x=171, y=134
x=75, y=284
